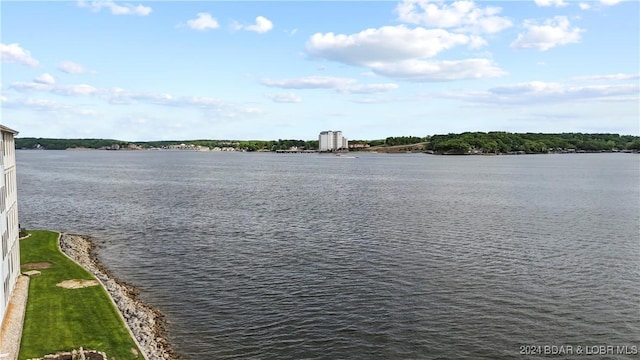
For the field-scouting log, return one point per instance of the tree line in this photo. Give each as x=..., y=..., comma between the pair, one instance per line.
x=246, y=145
x=464, y=143
x=61, y=144
x=504, y=142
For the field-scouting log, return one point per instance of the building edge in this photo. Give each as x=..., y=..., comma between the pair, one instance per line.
x=9, y=225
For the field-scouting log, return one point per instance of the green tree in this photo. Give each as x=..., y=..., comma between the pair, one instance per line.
x=453, y=146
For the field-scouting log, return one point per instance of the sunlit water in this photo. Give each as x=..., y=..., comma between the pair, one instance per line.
x=271, y=256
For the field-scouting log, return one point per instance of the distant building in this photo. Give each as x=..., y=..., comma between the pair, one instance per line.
x=332, y=141
x=9, y=228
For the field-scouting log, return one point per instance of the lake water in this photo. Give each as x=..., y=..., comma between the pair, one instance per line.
x=412, y=256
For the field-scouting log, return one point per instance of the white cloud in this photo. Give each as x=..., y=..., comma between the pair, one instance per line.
x=547, y=91
x=547, y=3
x=235, y=26
x=45, y=79
x=341, y=85
x=13, y=53
x=46, y=105
x=554, y=32
x=237, y=112
x=33, y=104
x=388, y=44
x=462, y=15
x=261, y=26
x=309, y=82
x=285, y=98
x=70, y=67
x=87, y=112
x=598, y=5
x=368, y=88
x=539, y=92
x=66, y=90
x=401, y=53
x=610, y=77
x=527, y=87
x=118, y=96
x=202, y=22
x=445, y=70
x=202, y=102
x=30, y=86
x=74, y=90
x=126, y=9
x=252, y=110
x=383, y=100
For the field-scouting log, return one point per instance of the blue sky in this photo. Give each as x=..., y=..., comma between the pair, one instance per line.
x=289, y=69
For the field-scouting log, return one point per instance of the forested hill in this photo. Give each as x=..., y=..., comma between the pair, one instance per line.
x=110, y=144
x=62, y=144
x=464, y=143
x=503, y=142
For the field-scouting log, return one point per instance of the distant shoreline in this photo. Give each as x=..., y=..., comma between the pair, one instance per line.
x=378, y=151
x=492, y=142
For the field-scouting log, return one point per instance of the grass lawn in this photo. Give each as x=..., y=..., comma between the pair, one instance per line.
x=59, y=319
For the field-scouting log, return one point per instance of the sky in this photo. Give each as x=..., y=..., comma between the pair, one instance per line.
x=159, y=70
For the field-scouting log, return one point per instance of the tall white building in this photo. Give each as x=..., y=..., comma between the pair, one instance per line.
x=332, y=141
x=9, y=228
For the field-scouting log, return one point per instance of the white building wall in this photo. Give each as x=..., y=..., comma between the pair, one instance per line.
x=323, y=141
x=337, y=139
x=331, y=141
x=9, y=227
x=3, y=229
x=326, y=141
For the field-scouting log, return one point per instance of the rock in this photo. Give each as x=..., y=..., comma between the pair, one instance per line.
x=145, y=323
x=32, y=273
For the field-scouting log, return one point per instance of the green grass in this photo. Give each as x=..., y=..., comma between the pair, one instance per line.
x=59, y=319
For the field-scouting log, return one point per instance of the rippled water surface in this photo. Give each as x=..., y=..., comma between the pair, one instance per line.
x=272, y=256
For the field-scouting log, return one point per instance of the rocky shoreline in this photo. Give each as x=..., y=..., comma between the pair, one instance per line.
x=147, y=325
